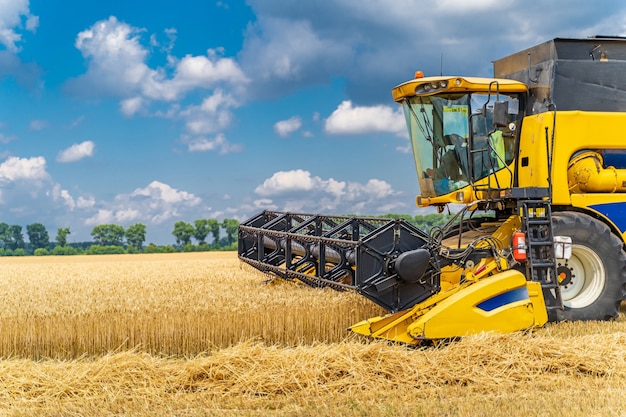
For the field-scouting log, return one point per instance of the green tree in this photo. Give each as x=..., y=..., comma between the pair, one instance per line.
x=5, y=236
x=62, y=233
x=202, y=230
x=214, y=226
x=136, y=235
x=428, y=221
x=183, y=232
x=37, y=236
x=108, y=234
x=231, y=226
x=15, y=238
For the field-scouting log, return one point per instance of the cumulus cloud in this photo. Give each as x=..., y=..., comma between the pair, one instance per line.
x=299, y=190
x=11, y=14
x=153, y=204
x=348, y=119
x=77, y=152
x=117, y=66
x=59, y=194
x=15, y=168
x=103, y=216
x=15, y=17
x=212, y=115
x=132, y=105
x=285, y=127
x=159, y=191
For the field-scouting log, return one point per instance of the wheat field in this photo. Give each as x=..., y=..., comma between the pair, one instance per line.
x=198, y=334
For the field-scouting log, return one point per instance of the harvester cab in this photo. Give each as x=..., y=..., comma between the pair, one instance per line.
x=539, y=229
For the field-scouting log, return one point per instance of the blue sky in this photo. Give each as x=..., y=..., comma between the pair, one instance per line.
x=156, y=111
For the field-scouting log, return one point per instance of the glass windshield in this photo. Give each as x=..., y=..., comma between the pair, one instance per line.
x=454, y=141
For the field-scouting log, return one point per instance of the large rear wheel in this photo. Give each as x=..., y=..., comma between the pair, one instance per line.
x=593, y=279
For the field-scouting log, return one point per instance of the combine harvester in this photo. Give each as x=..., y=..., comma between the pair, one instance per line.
x=537, y=158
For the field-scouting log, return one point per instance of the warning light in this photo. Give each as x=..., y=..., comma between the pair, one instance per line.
x=419, y=74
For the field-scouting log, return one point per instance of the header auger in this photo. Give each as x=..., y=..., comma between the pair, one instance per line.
x=537, y=157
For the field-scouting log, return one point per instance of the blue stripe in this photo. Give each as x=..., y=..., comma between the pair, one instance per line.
x=508, y=297
x=616, y=212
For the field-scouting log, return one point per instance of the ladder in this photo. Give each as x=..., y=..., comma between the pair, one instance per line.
x=541, y=262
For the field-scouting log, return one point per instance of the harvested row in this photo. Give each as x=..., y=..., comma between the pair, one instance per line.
x=486, y=375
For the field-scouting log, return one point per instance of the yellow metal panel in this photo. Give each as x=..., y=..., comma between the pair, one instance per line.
x=458, y=312
x=575, y=131
x=458, y=84
x=461, y=314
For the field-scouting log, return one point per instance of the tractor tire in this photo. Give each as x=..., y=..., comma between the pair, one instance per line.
x=595, y=283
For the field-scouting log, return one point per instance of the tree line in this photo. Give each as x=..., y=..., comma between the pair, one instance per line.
x=201, y=235
x=114, y=238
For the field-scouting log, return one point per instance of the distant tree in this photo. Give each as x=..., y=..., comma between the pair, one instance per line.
x=201, y=230
x=231, y=226
x=16, y=237
x=104, y=250
x=136, y=235
x=183, y=232
x=5, y=236
x=108, y=234
x=65, y=250
x=214, y=227
x=62, y=233
x=427, y=221
x=37, y=236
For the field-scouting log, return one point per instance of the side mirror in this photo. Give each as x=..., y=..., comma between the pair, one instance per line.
x=500, y=113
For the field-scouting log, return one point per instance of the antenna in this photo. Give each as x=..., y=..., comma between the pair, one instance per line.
x=441, y=65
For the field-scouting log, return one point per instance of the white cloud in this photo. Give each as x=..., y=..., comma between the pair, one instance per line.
x=193, y=72
x=153, y=205
x=157, y=190
x=85, y=202
x=298, y=181
x=285, y=127
x=115, y=59
x=298, y=191
x=15, y=168
x=117, y=66
x=11, y=14
x=132, y=105
x=101, y=217
x=58, y=193
x=128, y=215
x=212, y=115
x=77, y=152
x=349, y=119
x=219, y=143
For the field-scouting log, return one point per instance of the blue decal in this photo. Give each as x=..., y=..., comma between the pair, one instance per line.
x=616, y=212
x=500, y=300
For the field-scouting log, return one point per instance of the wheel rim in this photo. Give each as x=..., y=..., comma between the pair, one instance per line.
x=588, y=277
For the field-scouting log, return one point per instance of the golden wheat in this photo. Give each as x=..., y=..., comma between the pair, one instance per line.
x=197, y=335
x=173, y=304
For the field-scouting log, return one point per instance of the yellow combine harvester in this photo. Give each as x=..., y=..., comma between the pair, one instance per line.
x=537, y=159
